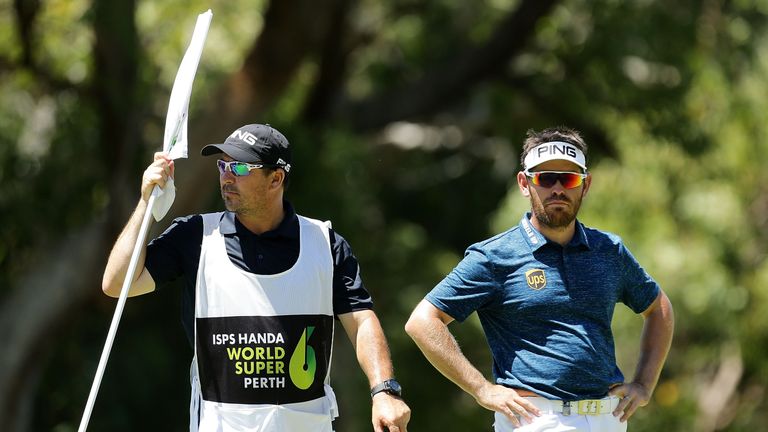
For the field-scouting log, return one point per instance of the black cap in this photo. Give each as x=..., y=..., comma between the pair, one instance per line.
x=255, y=143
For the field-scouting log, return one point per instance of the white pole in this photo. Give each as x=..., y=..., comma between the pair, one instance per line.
x=175, y=130
x=118, y=312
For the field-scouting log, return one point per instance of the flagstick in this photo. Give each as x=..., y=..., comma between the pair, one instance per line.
x=119, y=310
x=180, y=93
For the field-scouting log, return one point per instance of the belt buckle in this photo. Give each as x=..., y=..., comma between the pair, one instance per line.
x=589, y=407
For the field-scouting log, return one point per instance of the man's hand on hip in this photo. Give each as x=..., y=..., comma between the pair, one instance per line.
x=506, y=401
x=633, y=396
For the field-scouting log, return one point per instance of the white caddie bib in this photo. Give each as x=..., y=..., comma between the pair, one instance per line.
x=263, y=342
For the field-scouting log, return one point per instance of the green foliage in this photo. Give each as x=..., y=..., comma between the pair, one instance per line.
x=691, y=216
x=671, y=97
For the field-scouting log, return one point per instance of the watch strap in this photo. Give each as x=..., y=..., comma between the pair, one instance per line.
x=390, y=386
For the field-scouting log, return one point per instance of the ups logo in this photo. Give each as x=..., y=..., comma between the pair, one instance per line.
x=536, y=279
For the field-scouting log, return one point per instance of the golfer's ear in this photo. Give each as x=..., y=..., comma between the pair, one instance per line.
x=522, y=183
x=587, y=184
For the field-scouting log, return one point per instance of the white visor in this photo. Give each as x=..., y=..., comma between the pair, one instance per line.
x=555, y=150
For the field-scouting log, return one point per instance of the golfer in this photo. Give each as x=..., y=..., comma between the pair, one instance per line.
x=545, y=292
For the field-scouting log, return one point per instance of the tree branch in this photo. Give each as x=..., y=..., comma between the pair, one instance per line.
x=293, y=30
x=26, y=13
x=334, y=56
x=720, y=389
x=36, y=308
x=448, y=82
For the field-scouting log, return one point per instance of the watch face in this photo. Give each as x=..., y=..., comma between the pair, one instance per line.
x=395, y=386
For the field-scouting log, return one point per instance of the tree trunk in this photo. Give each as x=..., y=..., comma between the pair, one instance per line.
x=294, y=30
x=35, y=308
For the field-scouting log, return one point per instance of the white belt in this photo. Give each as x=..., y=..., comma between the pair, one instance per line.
x=581, y=407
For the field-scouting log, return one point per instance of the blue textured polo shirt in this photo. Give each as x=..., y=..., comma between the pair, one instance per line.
x=546, y=309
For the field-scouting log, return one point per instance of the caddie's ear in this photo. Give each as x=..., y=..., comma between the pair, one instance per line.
x=523, y=184
x=277, y=178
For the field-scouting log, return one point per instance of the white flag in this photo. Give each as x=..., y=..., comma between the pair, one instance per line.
x=175, y=137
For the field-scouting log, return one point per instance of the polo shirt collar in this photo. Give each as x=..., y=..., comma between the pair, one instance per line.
x=287, y=228
x=536, y=240
x=531, y=235
x=579, y=237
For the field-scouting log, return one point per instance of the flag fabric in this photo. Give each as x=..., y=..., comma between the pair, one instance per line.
x=175, y=137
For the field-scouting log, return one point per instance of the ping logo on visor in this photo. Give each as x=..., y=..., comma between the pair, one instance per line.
x=547, y=179
x=555, y=150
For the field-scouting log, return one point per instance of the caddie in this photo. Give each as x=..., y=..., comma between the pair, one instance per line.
x=262, y=288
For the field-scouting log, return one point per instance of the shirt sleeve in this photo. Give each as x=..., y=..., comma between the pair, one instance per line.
x=470, y=286
x=639, y=289
x=349, y=293
x=176, y=252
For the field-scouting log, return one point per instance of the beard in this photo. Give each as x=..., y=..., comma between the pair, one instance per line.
x=555, y=217
x=249, y=203
x=231, y=203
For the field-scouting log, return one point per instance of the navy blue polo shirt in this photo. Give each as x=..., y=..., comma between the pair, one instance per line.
x=176, y=253
x=546, y=309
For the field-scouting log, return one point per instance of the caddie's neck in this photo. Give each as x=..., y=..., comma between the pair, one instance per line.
x=263, y=221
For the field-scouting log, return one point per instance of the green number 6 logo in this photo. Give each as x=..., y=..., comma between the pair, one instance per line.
x=303, y=363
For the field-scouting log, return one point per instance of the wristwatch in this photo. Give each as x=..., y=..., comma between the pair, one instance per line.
x=390, y=386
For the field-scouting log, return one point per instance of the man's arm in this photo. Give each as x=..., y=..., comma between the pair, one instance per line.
x=428, y=327
x=654, y=347
x=367, y=337
x=119, y=259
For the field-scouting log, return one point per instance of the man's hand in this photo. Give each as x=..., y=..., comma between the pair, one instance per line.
x=658, y=328
x=389, y=413
x=633, y=396
x=156, y=174
x=506, y=401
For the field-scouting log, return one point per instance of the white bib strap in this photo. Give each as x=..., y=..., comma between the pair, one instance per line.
x=334, y=406
x=194, y=400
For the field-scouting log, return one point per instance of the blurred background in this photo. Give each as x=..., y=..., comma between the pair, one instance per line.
x=406, y=118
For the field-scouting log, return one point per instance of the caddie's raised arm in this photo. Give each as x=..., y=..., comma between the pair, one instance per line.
x=156, y=174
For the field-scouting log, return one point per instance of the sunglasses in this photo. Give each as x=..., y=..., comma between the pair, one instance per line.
x=238, y=169
x=547, y=179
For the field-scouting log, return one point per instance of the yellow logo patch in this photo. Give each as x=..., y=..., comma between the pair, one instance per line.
x=536, y=279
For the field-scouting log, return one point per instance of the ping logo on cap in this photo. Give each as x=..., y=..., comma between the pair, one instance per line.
x=536, y=279
x=286, y=166
x=246, y=136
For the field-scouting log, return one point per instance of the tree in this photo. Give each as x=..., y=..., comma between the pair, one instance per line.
x=393, y=107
